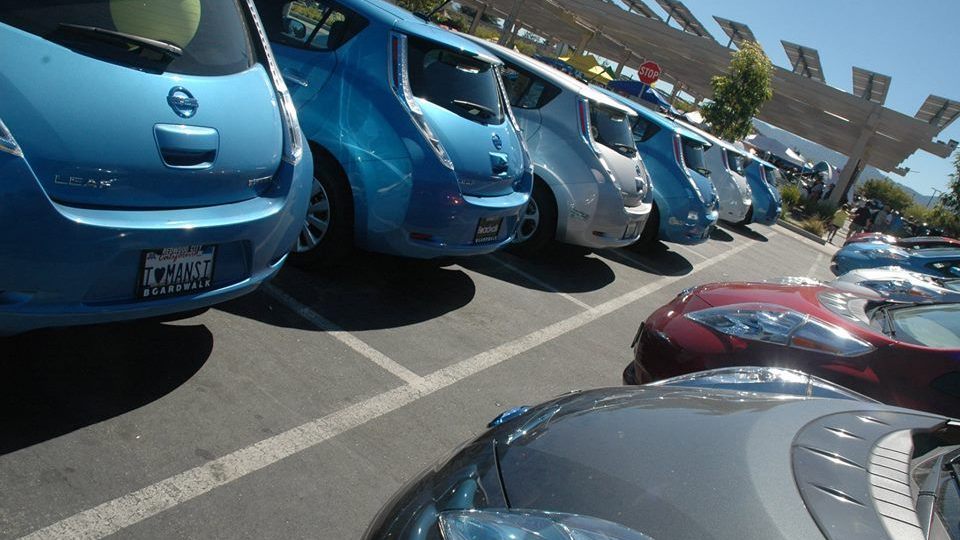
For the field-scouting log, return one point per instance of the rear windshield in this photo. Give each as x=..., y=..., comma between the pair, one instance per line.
x=611, y=128
x=931, y=326
x=209, y=37
x=734, y=161
x=525, y=90
x=772, y=176
x=459, y=83
x=644, y=129
x=693, y=156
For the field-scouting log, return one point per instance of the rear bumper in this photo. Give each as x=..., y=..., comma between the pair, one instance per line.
x=596, y=217
x=67, y=266
x=678, y=229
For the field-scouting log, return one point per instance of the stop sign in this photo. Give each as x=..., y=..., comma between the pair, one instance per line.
x=649, y=72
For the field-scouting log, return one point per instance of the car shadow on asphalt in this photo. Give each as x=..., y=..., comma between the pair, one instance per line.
x=720, y=235
x=368, y=291
x=656, y=259
x=56, y=381
x=745, y=231
x=562, y=268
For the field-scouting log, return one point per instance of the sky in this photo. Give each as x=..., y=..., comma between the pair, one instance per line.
x=916, y=43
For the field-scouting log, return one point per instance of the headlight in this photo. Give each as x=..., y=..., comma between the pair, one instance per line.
x=887, y=254
x=781, y=326
x=7, y=143
x=530, y=525
x=763, y=380
x=693, y=215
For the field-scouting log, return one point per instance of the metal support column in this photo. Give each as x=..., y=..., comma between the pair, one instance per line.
x=476, y=19
x=857, y=159
x=513, y=34
x=509, y=22
x=584, y=41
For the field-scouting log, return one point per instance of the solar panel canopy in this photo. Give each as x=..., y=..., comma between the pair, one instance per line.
x=870, y=85
x=679, y=12
x=805, y=61
x=643, y=9
x=938, y=111
x=737, y=32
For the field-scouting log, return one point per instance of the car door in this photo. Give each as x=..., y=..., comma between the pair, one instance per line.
x=304, y=36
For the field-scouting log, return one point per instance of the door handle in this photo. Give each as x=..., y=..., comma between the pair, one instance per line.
x=294, y=77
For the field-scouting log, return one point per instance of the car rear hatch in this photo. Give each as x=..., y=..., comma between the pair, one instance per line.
x=459, y=91
x=140, y=104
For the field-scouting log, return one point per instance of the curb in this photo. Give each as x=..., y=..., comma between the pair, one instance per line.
x=801, y=232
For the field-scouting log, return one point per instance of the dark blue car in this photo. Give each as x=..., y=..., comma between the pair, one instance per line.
x=942, y=262
x=766, y=197
x=685, y=201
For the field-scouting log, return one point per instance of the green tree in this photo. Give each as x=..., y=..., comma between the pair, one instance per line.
x=887, y=191
x=419, y=6
x=951, y=199
x=738, y=95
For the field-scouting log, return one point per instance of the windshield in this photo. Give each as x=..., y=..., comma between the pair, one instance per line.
x=693, y=153
x=209, y=37
x=643, y=130
x=734, y=161
x=461, y=84
x=936, y=326
x=610, y=128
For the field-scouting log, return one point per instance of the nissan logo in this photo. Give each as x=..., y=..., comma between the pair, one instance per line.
x=182, y=102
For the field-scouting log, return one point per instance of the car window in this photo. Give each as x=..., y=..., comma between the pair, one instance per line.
x=211, y=35
x=946, y=268
x=643, y=129
x=611, y=128
x=734, y=161
x=935, y=326
x=526, y=91
x=309, y=24
x=459, y=83
x=693, y=156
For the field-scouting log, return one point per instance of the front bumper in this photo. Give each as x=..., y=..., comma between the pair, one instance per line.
x=67, y=266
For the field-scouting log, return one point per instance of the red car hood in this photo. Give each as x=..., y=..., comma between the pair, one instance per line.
x=800, y=298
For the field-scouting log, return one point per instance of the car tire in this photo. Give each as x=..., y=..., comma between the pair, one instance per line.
x=326, y=235
x=748, y=218
x=651, y=230
x=538, y=222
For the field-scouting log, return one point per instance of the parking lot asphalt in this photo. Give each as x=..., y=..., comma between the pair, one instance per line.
x=299, y=410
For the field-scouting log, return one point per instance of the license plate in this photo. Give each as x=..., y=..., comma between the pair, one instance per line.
x=173, y=271
x=487, y=230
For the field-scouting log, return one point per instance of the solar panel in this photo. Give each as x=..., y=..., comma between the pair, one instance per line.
x=870, y=85
x=643, y=9
x=804, y=60
x=737, y=32
x=938, y=111
x=678, y=11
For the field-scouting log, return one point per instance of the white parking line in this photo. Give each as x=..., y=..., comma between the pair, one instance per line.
x=543, y=284
x=689, y=251
x=124, y=511
x=816, y=264
x=342, y=335
x=621, y=256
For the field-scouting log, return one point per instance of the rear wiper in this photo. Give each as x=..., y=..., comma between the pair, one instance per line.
x=625, y=148
x=123, y=39
x=475, y=108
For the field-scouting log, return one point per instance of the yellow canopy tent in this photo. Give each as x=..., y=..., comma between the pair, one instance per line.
x=589, y=66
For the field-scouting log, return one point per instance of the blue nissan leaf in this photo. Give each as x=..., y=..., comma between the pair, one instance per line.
x=151, y=160
x=766, y=197
x=685, y=203
x=416, y=149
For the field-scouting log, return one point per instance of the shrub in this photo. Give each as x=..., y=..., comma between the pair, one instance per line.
x=822, y=210
x=813, y=225
x=791, y=195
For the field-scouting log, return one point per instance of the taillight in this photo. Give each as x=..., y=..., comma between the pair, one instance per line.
x=7, y=143
x=678, y=150
x=400, y=82
x=293, y=139
x=583, y=117
x=726, y=160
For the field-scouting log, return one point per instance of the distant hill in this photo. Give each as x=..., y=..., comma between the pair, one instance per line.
x=814, y=152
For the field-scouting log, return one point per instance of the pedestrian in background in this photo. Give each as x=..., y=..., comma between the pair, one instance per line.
x=880, y=219
x=836, y=222
x=861, y=221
